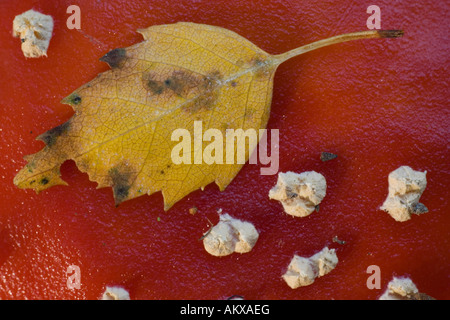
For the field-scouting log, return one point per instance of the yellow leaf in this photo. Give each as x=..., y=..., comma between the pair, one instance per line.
x=120, y=134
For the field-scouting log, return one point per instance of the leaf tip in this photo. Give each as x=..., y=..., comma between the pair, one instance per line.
x=142, y=32
x=50, y=137
x=167, y=205
x=115, y=58
x=73, y=99
x=26, y=179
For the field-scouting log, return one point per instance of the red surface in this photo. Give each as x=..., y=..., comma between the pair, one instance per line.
x=378, y=104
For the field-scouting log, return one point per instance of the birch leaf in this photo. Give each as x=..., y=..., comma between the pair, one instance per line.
x=120, y=134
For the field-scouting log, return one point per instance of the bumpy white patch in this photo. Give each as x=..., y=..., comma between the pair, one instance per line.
x=303, y=271
x=115, y=293
x=405, y=189
x=400, y=289
x=230, y=235
x=299, y=193
x=35, y=31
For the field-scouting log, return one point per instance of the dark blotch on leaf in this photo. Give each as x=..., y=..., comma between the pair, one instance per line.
x=121, y=193
x=120, y=176
x=44, y=181
x=177, y=82
x=50, y=137
x=115, y=58
x=76, y=99
x=156, y=87
x=208, y=96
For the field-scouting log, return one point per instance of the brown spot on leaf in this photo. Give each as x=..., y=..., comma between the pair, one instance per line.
x=121, y=193
x=152, y=84
x=115, y=58
x=203, y=102
x=175, y=84
x=50, y=137
x=181, y=83
x=208, y=93
x=259, y=64
x=156, y=87
x=44, y=181
x=120, y=176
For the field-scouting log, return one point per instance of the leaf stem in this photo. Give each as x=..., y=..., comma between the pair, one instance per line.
x=280, y=58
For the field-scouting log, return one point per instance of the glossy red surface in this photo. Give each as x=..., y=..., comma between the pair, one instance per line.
x=378, y=104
